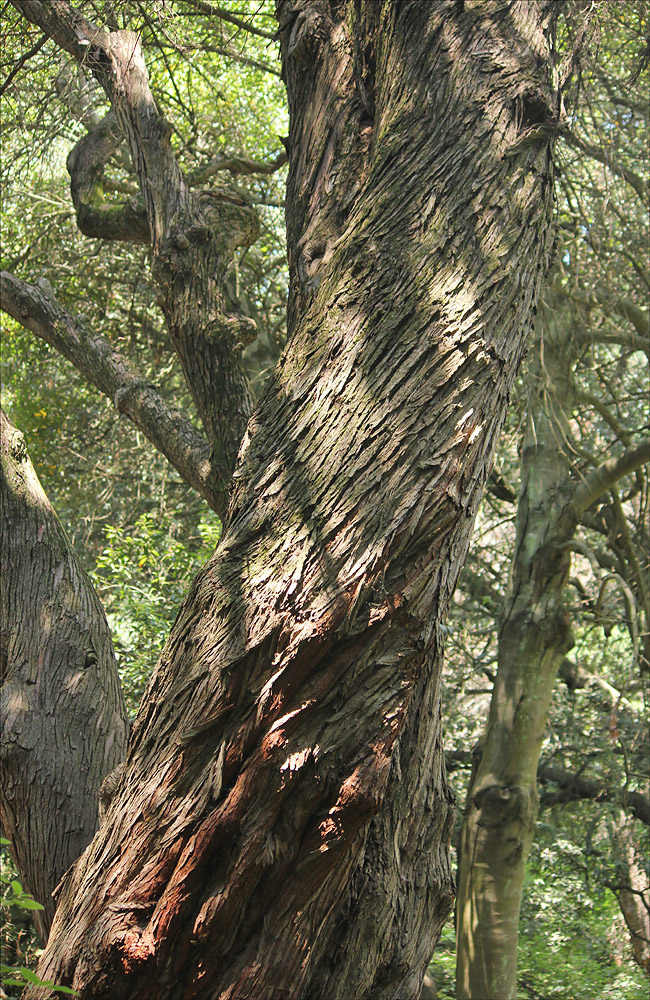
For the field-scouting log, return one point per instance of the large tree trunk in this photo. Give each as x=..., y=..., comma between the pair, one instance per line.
x=63, y=716
x=281, y=823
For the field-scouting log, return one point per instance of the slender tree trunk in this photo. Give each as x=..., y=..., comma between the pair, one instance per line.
x=534, y=636
x=62, y=712
x=281, y=824
x=632, y=890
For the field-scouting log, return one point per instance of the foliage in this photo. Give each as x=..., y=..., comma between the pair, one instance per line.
x=17, y=939
x=573, y=944
x=142, y=575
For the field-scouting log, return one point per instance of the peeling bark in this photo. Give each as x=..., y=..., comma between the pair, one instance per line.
x=63, y=716
x=281, y=823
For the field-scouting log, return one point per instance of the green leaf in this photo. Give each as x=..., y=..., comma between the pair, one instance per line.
x=17, y=887
x=30, y=976
x=28, y=904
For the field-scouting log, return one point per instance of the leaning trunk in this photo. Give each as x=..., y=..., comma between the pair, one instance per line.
x=60, y=689
x=281, y=823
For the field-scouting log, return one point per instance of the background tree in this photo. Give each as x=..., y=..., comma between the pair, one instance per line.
x=586, y=411
x=329, y=581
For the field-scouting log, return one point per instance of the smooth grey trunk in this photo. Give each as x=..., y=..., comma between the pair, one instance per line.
x=62, y=712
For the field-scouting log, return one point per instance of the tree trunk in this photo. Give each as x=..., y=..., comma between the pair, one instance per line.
x=632, y=890
x=63, y=716
x=281, y=824
x=534, y=636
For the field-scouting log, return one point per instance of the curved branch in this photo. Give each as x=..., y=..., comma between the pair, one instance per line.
x=96, y=217
x=169, y=431
x=606, y=475
x=193, y=235
x=236, y=165
x=572, y=787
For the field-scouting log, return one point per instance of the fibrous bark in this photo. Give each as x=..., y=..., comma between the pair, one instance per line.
x=63, y=717
x=281, y=823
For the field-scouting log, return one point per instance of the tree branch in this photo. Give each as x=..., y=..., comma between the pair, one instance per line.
x=194, y=235
x=95, y=216
x=572, y=787
x=639, y=318
x=230, y=53
x=602, y=478
x=26, y=56
x=35, y=308
x=599, y=153
x=236, y=165
x=209, y=8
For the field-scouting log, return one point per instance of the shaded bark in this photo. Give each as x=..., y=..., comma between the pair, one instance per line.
x=280, y=825
x=63, y=716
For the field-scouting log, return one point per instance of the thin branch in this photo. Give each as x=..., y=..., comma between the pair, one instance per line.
x=641, y=187
x=35, y=307
x=208, y=8
x=21, y=62
x=596, y=403
x=230, y=53
x=236, y=165
x=605, y=476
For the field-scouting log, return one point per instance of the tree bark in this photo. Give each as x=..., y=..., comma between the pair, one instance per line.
x=280, y=825
x=63, y=716
x=534, y=637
